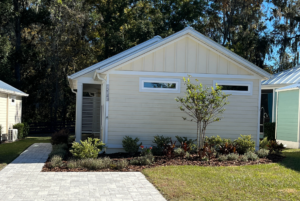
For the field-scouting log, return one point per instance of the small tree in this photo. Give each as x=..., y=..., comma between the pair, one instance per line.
x=204, y=105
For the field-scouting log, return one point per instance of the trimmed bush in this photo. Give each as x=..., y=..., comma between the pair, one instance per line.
x=89, y=148
x=244, y=144
x=60, y=137
x=20, y=128
x=121, y=164
x=243, y=158
x=26, y=130
x=143, y=160
x=73, y=164
x=251, y=156
x=131, y=145
x=223, y=157
x=56, y=161
x=160, y=141
x=58, y=152
x=232, y=157
x=263, y=153
x=179, y=152
x=269, y=130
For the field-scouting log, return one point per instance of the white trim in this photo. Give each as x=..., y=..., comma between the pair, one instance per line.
x=290, y=89
x=179, y=74
x=276, y=124
x=106, y=110
x=298, y=117
x=273, y=106
x=12, y=92
x=258, y=123
x=78, y=125
x=239, y=83
x=161, y=80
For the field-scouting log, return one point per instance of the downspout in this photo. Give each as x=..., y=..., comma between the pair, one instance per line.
x=105, y=109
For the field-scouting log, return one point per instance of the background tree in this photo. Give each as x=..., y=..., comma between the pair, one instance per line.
x=203, y=105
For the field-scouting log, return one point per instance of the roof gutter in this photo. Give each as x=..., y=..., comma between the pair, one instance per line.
x=13, y=92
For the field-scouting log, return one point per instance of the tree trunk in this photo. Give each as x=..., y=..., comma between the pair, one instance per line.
x=199, y=135
x=18, y=43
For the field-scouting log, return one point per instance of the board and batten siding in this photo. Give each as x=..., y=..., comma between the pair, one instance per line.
x=146, y=114
x=185, y=56
x=287, y=115
x=3, y=111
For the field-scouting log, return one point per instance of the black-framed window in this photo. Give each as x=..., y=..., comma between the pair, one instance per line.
x=234, y=87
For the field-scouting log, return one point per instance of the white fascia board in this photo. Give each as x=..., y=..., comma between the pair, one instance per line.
x=164, y=74
x=116, y=57
x=288, y=89
x=13, y=92
x=273, y=86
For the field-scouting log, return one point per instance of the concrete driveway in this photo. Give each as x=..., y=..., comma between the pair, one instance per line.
x=23, y=180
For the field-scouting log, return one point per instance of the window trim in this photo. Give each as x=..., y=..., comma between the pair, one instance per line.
x=240, y=83
x=159, y=90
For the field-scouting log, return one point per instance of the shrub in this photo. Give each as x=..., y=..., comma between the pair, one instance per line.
x=60, y=137
x=182, y=140
x=145, y=151
x=160, y=141
x=187, y=154
x=244, y=144
x=26, y=130
x=20, y=128
x=222, y=157
x=87, y=149
x=263, y=144
x=243, y=158
x=263, y=153
x=73, y=164
x=226, y=148
x=58, y=152
x=269, y=130
x=121, y=164
x=142, y=160
x=169, y=148
x=56, y=161
x=131, y=145
x=274, y=147
x=251, y=156
x=179, y=152
x=216, y=141
x=60, y=146
x=232, y=157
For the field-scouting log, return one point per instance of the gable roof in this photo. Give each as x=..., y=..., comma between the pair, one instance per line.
x=153, y=44
x=289, y=76
x=8, y=89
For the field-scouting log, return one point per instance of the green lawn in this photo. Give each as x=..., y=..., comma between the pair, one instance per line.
x=254, y=182
x=10, y=151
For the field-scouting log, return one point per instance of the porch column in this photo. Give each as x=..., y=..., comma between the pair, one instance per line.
x=78, y=125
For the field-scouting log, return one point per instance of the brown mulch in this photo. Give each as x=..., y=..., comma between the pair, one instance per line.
x=164, y=161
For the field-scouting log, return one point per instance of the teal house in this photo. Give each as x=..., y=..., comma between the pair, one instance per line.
x=280, y=103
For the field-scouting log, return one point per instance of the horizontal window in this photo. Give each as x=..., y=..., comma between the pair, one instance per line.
x=159, y=85
x=235, y=87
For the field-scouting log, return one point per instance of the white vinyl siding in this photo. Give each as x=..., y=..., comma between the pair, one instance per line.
x=145, y=115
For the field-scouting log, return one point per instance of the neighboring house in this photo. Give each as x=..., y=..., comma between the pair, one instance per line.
x=132, y=93
x=10, y=106
x=280, y=100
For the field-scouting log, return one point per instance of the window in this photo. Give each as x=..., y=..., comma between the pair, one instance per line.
x=235, y=87
x=160, y=85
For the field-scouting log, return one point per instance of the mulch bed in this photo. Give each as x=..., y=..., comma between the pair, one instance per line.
x=165, y=161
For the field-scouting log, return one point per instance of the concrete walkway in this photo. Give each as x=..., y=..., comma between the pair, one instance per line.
x=23, y=180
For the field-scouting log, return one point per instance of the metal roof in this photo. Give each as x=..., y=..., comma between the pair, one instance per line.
x=8, y=89
x=289, y=76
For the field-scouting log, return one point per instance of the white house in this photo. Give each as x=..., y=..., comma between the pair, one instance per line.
x=132, y=93
x=10, y=106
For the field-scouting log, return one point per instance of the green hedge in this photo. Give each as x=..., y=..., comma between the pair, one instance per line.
x=269, y=130
x=20, y=128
